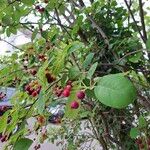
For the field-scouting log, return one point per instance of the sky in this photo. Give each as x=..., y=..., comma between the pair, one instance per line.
x=22, y=38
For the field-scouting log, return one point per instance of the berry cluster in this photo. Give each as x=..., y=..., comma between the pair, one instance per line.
x=42, y=57
x=65, y=92
x=2, y=95
x=50, y=78
x=33, y=71
x=36, y=147
x=41, y=120
x=33, y=88
x=75, y=104
x=140, y=143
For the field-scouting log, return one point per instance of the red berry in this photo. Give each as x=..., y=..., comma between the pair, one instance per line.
x=66, y=93
x=34, y=94
x=80, y=95
x=139, y=141
x=68, y=87
x=74, y=105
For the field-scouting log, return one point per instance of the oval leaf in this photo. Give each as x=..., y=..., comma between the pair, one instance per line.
x=23, y=144
x=115, y=91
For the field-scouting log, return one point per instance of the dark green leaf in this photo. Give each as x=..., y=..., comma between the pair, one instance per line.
x=23, y=144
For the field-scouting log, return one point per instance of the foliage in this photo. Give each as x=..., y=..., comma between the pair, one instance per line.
x=94, y=46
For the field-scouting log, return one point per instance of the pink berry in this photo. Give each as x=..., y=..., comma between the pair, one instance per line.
x=68, y=87
x=80, y=95
x=74, y=105
x=66, y=93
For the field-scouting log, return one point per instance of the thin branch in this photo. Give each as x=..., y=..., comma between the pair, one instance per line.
x=142, y=20
x=11, y=44
x=132, y=15
x=94, y=23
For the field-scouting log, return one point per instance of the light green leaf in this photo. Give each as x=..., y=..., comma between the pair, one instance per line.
x=88, y=60
x=3, y=121
x=75, y=46
x=34, y=34
x=74, y=72
x=23, y=144
x=41, y=103
x=115, y=91
x=92, y=70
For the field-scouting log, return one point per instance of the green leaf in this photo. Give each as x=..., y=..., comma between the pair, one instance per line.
x=3, y=121
x=74, y=72
x=92, y=70
x=23, y=144
x=34, y=34
x=75, y=46
x=41, y=102
x=28, y=2
x=134, y=132
x=90, y=93
x=7, y=20
x=88, y=60
x=44, y=34
x=136, y=57
x=115, y=91
x=142, y=122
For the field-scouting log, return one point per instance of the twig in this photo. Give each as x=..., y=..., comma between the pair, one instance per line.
x=142, y=20
x=10, y=44
x=132, y=15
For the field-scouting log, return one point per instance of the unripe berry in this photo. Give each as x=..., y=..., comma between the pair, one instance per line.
x=74, y=105
x=81, y=95
x=66, y=93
